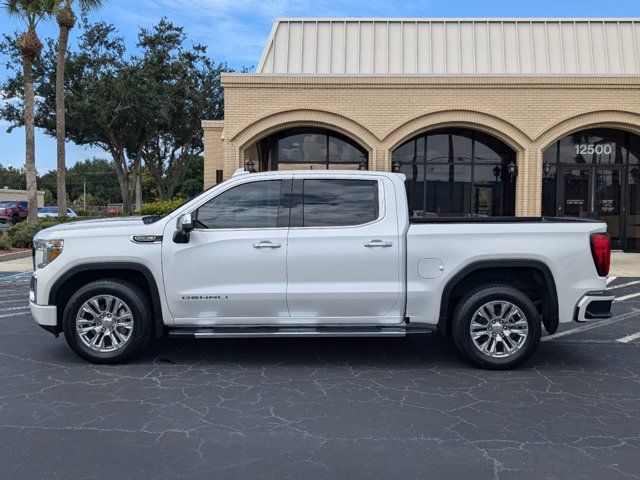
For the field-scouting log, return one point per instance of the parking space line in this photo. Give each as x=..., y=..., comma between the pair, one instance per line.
x=629, y=338
x=622, y=285
x=627, y=297
x=14, y=314
x=610, y=279
x=591, y=326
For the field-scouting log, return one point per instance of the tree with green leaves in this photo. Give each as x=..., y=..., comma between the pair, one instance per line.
x=144, y=109
x=66, y=19
x=187, y=88
x=31, y=12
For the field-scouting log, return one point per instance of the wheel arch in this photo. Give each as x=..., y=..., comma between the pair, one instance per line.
x=135, y=273
x=498, y=270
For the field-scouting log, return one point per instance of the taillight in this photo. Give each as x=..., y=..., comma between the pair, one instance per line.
x=601, y=251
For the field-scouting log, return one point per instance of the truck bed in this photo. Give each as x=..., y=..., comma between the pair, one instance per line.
x=501, y=220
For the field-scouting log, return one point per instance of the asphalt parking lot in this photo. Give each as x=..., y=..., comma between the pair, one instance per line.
x=325, y=408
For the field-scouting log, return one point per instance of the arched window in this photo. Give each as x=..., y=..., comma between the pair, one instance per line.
x=311, y=148
x=457, y=172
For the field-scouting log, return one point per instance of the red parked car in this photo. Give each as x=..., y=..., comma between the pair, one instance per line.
x=13, y=211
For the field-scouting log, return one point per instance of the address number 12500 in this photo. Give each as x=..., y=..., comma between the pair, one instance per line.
x=590, y=149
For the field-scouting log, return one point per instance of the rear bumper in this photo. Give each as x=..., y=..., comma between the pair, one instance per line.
x=46, y=316
x=594, y=306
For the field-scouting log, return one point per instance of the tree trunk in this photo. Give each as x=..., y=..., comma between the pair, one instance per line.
x=138, y=168
x=30, y=145
x=122, y=172
x=63, y=39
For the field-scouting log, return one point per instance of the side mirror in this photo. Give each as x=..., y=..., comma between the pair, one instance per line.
x=184, y=226
x=185, y=223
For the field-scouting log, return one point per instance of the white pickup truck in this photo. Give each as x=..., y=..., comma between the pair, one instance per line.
x=310, y=253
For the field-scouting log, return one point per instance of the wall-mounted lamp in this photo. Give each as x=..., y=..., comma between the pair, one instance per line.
x=250, y=165
x=513, y=170
x=496, y=172
x=546, y=168
x=395, y=166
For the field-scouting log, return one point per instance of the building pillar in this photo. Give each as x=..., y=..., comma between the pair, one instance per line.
x=213, y=150
x=529, y=182
x=377, y=160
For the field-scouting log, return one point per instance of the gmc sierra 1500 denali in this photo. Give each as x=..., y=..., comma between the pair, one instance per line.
x=310, y=253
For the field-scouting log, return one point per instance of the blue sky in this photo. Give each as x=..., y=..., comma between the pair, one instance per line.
x=235, y=31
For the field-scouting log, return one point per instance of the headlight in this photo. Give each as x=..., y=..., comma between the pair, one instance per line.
x=47, y=251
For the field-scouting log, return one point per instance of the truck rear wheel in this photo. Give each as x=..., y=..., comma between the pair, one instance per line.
x=107, y=321
x=496, y=327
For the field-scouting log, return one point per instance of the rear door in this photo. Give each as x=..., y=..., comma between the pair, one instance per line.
x=343, y=260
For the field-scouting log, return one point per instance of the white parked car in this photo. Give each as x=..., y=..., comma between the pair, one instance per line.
x=45, y=212
x=317, y=253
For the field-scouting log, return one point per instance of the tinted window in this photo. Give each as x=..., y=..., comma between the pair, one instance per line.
x=23, y=204
x=250, y=205
x=328, y=203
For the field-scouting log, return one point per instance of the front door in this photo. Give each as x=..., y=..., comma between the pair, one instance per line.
x=593, y=191
x=344, y=251
x=233, y=269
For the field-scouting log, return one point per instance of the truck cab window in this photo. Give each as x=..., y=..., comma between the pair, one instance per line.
x=250, y=205
x=338, y=202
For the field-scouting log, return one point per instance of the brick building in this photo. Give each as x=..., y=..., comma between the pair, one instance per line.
x=522, y=117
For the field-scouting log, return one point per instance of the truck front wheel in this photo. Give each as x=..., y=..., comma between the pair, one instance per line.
x=107, y=321
x=496, y=327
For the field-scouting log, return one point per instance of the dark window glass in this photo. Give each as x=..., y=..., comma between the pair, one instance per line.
x=633, y=149
x=250, y=205
x=438, y=148
x=465, y=173
x=414, y=186
x=633, y=215
x=24, y=205
x=549, y=191
x=448, y=189
x=303, y=148
x=343, y=152
x=313, y=149
x=460, y=147
x=328, y=203
x=596, y=145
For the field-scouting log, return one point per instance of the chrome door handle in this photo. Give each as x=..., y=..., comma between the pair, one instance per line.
x=378, y=243
x=266, y=244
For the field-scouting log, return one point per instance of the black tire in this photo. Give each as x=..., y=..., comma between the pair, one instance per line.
x=15, y=219
x=464, y=314
x=137, y=302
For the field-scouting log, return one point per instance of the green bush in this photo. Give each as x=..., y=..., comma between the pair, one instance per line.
x=161, y=207
x=5, y=243
x=21, y=234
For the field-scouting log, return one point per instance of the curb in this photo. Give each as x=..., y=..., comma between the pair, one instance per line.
x=14, y=256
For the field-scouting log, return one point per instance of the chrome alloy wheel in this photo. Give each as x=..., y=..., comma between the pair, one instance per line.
x=104, y=323
x=499, y=329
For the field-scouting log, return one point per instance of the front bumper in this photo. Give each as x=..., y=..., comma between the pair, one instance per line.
x=46, y=316
x=594, y=306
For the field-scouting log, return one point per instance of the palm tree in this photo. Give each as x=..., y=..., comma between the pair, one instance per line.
x=29, y=45
x=66, y=19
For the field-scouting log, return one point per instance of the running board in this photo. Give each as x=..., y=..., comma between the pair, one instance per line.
x=254, y=332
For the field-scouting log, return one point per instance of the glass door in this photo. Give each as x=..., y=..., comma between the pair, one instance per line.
x=607, y=194
x=632, y=217
x=574, y=192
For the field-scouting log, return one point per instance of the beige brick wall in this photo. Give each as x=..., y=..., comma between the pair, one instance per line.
x=213, y=150
x=528, y=113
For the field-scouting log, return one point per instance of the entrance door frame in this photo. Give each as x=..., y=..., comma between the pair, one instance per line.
x=591, y=200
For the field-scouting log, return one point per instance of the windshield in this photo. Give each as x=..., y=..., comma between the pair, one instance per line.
x=5, y=204
x=49, y=209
